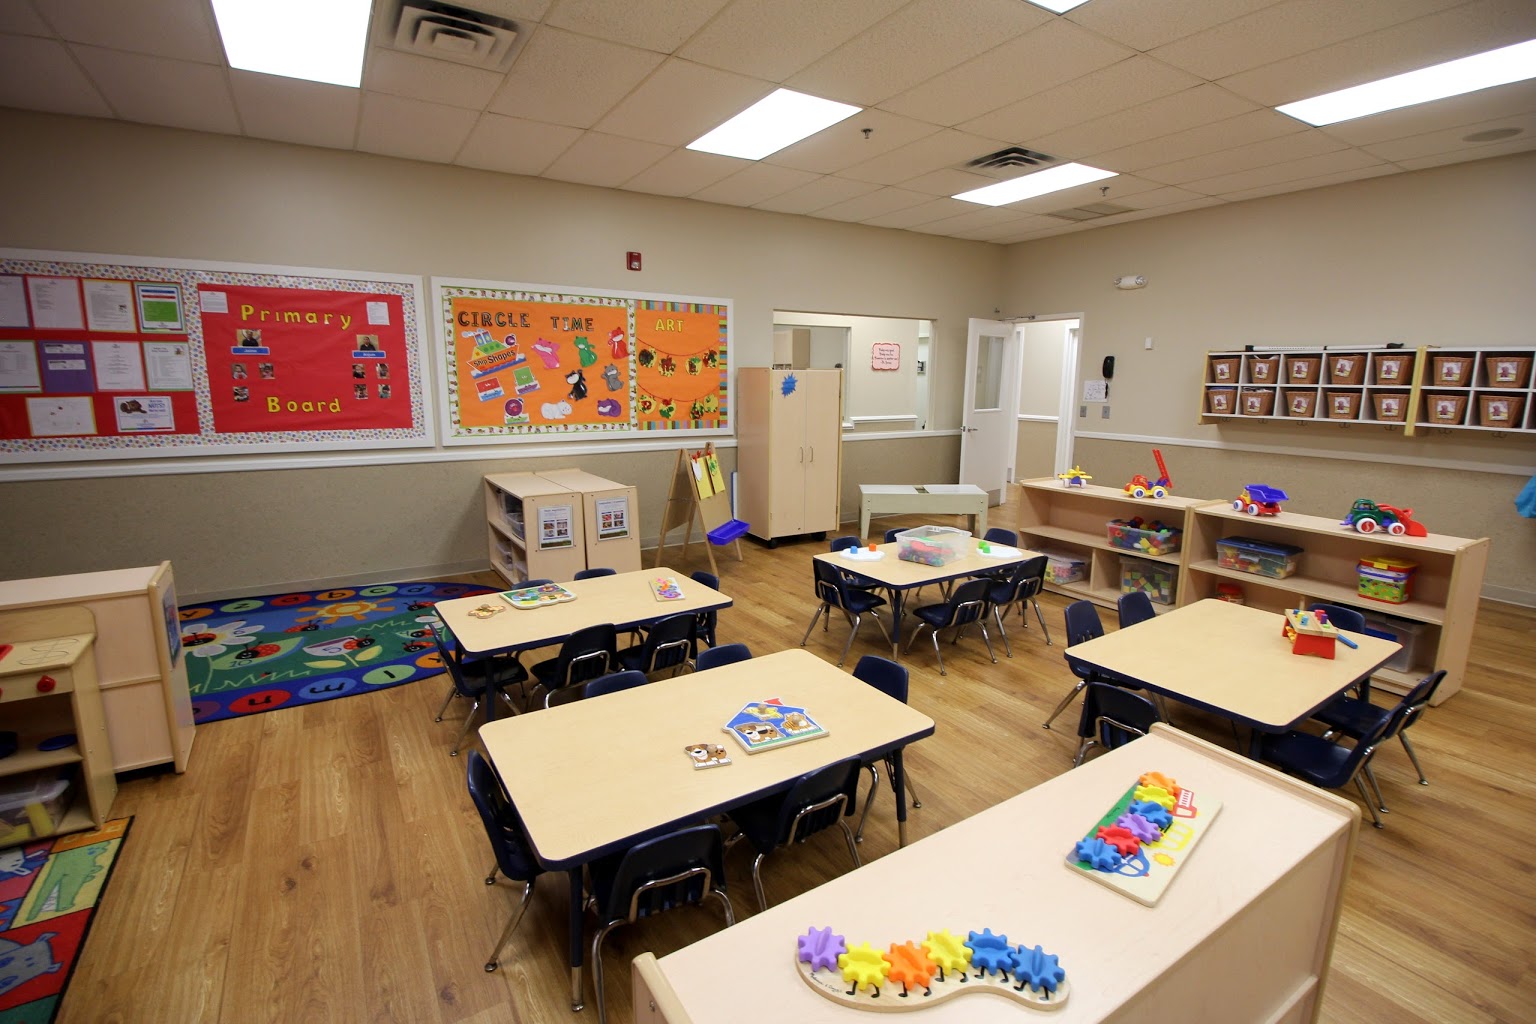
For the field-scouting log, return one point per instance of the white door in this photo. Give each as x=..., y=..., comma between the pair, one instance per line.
x=990, y=427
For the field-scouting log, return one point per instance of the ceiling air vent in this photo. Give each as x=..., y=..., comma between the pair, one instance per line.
x=445, y=32
x=1093, y=211
x=1008, y=163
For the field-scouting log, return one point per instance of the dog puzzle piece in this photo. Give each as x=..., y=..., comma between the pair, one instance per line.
x=1037, y=969
x=910, y=967
x=946, y=950
x=1139, y=827
x=820, y=948
x=864, y=965
x=1155, y=795
x=1098, y=854
x=1124, y=842
x=1157, y=814
x=989, y=952
x=1162, y=781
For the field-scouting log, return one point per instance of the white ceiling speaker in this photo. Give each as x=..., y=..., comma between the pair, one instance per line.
x=445, y=32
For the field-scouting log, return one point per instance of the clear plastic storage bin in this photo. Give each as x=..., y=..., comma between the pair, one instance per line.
x=1061, y=567
x=1149, y=538
x=933, y=545
x=33, y=804
x=1155, y=579
x=1260, y=557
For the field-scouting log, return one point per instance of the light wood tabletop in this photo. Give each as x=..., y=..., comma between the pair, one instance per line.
x=624, y=599
x=1232, y=660
x=599, y=775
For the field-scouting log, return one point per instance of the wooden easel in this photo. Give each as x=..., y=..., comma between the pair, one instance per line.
x=699, y=495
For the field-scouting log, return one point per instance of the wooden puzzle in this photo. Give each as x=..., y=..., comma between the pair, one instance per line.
x=538, y=597
x=914, y=976
x=765, y=724
x=1139, y=845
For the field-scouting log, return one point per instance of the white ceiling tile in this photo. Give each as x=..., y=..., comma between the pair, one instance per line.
x=1008, y=233
x=1210, y=138
x=1345, y=162
x=923, y=213
x=1054, y=53
x=1168, y=195
x=553, y=78
x=1517, y=145
x=39, y=74
x=22, y=19
x=772, y=39
x=161, y=28
x=983, y=219
x=662, y=27
x=816, y=195
x=948, y=182
x=1480, y=108
x=158, y=90
x=683, y=172
x=1144, y=24
x=844, y=144
x=919, y=41
x=946, y=148
x=1413, y=44
x=680, y=102
x=395, y=126
x=1110, y=190
x=425, y=78
x=266, y=104
x=1315, y=181
x=1191, y=108
x=1450, y=140
x=606, y=160
x=1101, y=92
x=514, y=146
x=1257, y=154
x=753, y=185
x=874, y=204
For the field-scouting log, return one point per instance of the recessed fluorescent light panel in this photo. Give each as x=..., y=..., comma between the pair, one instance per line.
x=780, y=119
x=316, y=40
x=1040, y=183
x=1059, y=6
x=1480, y=71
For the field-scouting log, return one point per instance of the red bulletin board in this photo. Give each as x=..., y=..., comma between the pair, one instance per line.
x=119, y=357
x=529, y=360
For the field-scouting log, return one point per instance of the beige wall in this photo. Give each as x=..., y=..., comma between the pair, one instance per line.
x=1444, y=256
x=107, y=187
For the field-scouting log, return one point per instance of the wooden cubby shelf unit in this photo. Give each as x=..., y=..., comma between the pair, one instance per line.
x=514, y=503
x=1446, y=583
x=1075, y=520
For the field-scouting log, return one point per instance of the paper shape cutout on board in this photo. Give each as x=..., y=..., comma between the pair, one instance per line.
x=538, y=597
x=707, y=755
x=1140, y=843
x=765, y=724
x=716, y=478
x=701, y=481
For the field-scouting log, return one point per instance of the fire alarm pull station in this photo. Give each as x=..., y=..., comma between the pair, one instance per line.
x=632, y=260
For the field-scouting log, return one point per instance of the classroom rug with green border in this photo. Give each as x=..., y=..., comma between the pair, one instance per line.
x=253, y=654
x=49, y=892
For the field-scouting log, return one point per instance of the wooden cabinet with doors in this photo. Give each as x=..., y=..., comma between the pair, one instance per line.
x=789, y=429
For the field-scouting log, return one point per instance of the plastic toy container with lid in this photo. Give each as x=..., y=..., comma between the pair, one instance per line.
x=1063, y=567
x=1151, y=538
x=1400, y=631
x=1384, y=578
x=1260, y=557
x=32, y=804
x=1157, y=580
x=933, y=545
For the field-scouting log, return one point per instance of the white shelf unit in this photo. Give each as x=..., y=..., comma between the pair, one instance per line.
x=1464, y=389
x=1446, y=583
x=1076, y=520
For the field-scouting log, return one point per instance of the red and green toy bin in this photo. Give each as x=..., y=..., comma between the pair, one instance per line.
x=1388, y=579
x=1148, y=538
x=1155, y=579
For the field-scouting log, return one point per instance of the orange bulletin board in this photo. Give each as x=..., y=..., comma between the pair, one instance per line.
x=530, y=361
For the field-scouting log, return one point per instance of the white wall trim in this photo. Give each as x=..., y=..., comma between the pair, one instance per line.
x=1037, y=418
x=1511, y=469
x=899, y=435
x=1509, y=595
x=901, y=418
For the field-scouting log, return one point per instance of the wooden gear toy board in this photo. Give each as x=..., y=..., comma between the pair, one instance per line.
x=538, y=597
x=914, y=976
x=766, y=724
x=1139, y=845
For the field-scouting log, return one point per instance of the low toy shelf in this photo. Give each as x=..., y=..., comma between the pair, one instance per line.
x=1447, y=580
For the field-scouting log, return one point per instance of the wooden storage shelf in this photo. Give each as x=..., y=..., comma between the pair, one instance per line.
x=610, y=518
x=1446, y=584
x=1492, y=390
x=1075, y=520
x=515, y=506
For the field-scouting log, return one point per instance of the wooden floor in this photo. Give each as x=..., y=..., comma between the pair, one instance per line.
x=324, y=863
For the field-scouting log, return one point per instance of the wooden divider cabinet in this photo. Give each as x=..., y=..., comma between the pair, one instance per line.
x=610, y=518
x=534, y=527
x=1437, y=621
x=1074, y=521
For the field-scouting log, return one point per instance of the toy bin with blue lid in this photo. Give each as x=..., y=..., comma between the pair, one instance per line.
x=32, y=804
x=1063, y=567
x=1388, y=579
x=1260, y=557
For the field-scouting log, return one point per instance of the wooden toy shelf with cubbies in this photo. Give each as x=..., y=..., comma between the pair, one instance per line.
x=1074, y=520
x=1447, y=581
x=534, y=527
x=1483, y=389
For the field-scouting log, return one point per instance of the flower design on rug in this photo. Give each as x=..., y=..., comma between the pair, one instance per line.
x=212, y=641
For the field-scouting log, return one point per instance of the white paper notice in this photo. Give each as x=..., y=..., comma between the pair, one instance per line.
x=60, y=417
x=13, y=302
x=18, y=367
x=56, y=303
x=118, y=366
x=168, y=365
x=144, y=414
x=555, y=527
x=214, y=302
x=109, y=306
x=378, y=313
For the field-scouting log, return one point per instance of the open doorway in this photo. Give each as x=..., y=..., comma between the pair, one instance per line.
x=1047, y=374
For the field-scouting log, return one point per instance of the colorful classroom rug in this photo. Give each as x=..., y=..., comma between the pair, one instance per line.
x=49, y=891
x=255, y=654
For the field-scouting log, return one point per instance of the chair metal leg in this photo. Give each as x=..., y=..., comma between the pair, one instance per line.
x=469, y=719
x=490, y=879
x=981, y=624
x=1412, y=756
x=874, y=784
x=1065, y=701
x=757, y=882
x=891, y=767
x=1082, y=748
x=1370, y=776
x=1043, y=626
x=853, y=850
x=853, y=631
x=915, y=633
x=597, y=968
x=936, y=653
x=997, y=614
x=822, y=608
x=506, y=934
x=447, y=699
x=1376, y=818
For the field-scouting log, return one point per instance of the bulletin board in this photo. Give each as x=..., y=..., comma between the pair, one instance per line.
x=116, y=357
x=530, y=361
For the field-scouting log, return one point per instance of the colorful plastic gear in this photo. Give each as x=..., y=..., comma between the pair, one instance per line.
x=990, y=952
x=864, y=965
x=1098, y=854
x=820, y=948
